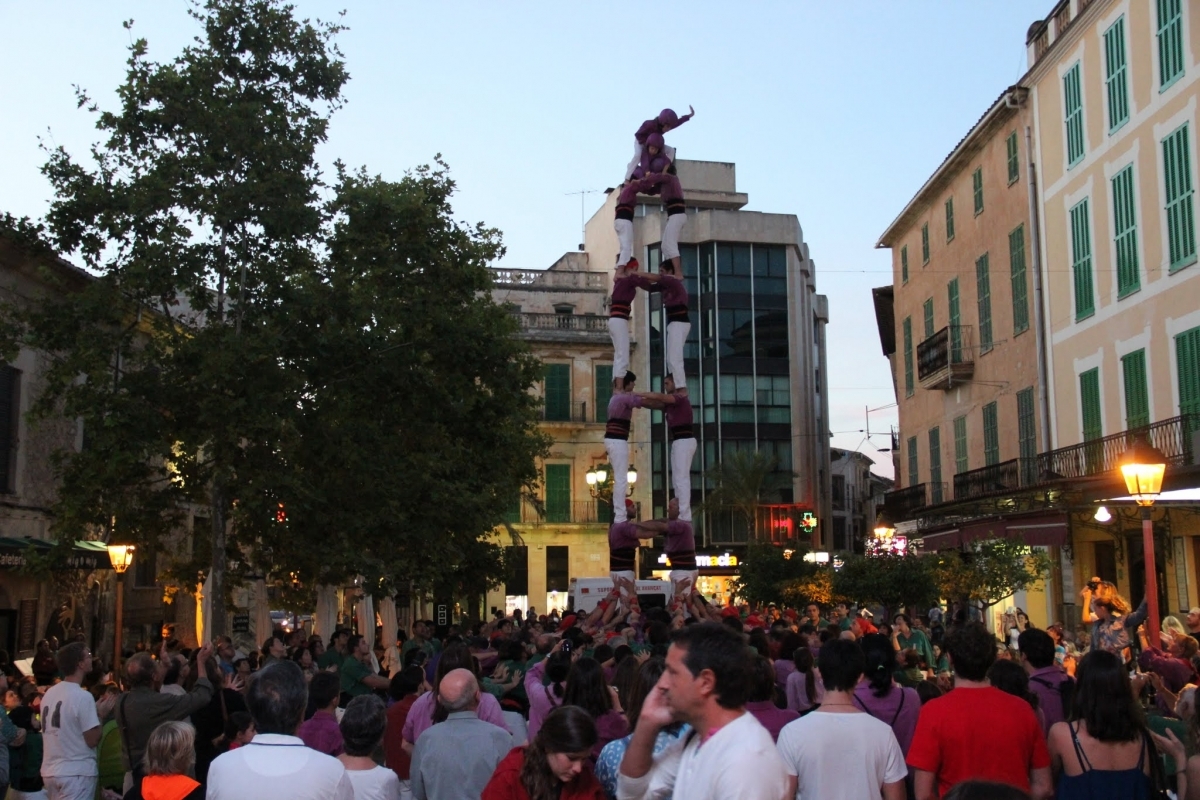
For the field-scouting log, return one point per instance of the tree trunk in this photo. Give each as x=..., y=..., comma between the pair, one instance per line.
x=216, y=589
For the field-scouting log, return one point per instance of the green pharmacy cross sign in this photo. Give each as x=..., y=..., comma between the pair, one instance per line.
x=809, y=521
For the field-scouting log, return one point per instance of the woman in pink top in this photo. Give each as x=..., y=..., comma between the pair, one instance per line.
x=587, y=689
x=804, y=689
x=544, y=698
x=427, y=711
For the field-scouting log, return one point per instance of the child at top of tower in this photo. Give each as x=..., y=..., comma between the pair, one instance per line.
x=667, y=120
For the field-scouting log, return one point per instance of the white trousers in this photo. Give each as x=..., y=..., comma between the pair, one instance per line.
x=71, y=787
x=618, y=459
x=670, y=236
x=682, y=453
x=624, y=229
x=677, y=333
x=618, y=329
x=637, y=157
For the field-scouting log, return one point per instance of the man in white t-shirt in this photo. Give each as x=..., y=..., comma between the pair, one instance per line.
x=816, y=748
x=71, y=729
x=731, y=756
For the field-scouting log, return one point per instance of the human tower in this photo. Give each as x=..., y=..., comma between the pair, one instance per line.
x=651, y=172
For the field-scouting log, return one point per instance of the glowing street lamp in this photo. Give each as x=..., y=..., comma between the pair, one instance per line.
x=1143, y=468
x=121, y=556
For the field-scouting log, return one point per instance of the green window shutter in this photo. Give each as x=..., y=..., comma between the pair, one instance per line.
x=1089, y=399
x=1027, y=435
x=908, y=357
x=1116, y=75
x=1187, y=359
x=1081, y=261
x=558, y=392
x=991, y=435
x=913, y=477
x=955, y=323
x=558, y=492
x=603, y=381
x=925, y=244
x=983, y=290
x=1137, y=402
x=1125, y=233
x=960, y=445
x=977, y=185
x=513, y=513
x=928, y=309
x=1020, y=288
x=904, y=264
x=1014, y=159
x=935, y=464
x=1181, y=220
x=949, y=218
x=1073, y=102
x=1170, y=42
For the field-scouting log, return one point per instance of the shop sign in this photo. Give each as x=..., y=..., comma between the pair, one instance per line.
x=706, y=561
x=241, y=623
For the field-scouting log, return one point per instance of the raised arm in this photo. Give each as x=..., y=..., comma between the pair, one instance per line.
x=653, y=525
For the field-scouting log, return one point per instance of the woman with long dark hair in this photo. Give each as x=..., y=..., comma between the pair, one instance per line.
x=1102, y=750
x=877, y=692
x=427, y=711
x=610, y=757
x=789, y=643
x=587, y=689
x=555, y=766
x=804, y=690
x=545, y=698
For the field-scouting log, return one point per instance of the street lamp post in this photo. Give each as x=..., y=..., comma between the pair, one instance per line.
x=1143, y=467
x=121, y=556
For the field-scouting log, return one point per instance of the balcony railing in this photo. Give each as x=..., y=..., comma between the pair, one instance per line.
x=946, y=358
x=571, y=512
x=1172, y=437
x=567, y=412
x=900, y=504
x=572, y=325
x=1002, y=477
x=549, y=279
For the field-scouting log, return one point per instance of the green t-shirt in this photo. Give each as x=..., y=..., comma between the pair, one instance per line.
x=353, y=671
x=329, y=658
x=916, y=640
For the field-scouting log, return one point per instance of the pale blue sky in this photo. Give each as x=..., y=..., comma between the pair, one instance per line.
x=833, y=111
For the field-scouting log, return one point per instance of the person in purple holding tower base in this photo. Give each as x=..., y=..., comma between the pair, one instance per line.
x=678, y=411
x=624, y=539
x=667, y=120
x=616, y=440
x=680, y=547
x=625, y=285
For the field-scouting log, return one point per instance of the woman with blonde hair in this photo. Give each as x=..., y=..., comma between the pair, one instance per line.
x=169, y=760
x=1113, y=624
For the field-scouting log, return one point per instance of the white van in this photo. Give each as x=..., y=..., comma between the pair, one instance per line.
x=586, y=594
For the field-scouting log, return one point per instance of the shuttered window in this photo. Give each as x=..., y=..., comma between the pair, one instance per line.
x=1014, y=158
x=913, y=477
x=904, y=264
x=1073, y=103
x=558, y=392
x=961, y=460
x=983, y=291
x=1089, y=400
x=1081, y=261
x=928, y=309
x=1116, y=75
x=1170, y=42
x=603, y=379
x=1125, y=233
x=1181, y=220
x=949, y=218
x=558, y=492
x=955, y=322
x=991, y=435
x=977, y=189
x=908, y=357
x=1020, y=289
x=925, y=244
x=1187, y=359
x=935, y=464
x=1027, y=435
x=1137, y=402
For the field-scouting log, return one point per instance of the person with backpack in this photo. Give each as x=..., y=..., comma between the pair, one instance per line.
x=1053, y=686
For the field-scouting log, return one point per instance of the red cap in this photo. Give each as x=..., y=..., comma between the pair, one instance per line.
x=633, y=265
x=753, y=621
x=730, y=612
x=630, y=505
x=567, y=622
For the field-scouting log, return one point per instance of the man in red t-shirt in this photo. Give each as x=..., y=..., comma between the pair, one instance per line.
x=977, y=732
x=404, y=689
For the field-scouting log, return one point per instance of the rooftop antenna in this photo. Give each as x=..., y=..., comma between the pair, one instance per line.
x=583, y=193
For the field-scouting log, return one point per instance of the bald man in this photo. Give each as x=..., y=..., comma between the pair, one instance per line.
x=455, y=759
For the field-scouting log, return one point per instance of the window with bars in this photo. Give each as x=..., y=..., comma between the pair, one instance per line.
x=955, y=322
x=1137, y=400
x=977, y=189
x=983, y=294
x=1081, y=261
x=935, y=465
x=961, y=461
x=904, y=264
x=1125, y=233
x=1187, y=359
x=1014, y=158
x=1116, y=75
x=949, y=219
x=1170, y=42
x=913, y=477
x=1181, y=220
x=1027, y=434
x=928, y=309
x=991, y=435
x=925, y=244
x=1073, y=112
x=1089, y=401
x=908, y=357
x=1020, y=289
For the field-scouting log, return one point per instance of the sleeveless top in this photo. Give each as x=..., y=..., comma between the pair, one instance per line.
x=1104, y=784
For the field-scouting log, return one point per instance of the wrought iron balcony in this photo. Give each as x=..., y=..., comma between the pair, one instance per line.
x=901, y=504
x=572, y=412
x=549, y=279
x=562, y=512
x=1172, y=437
x=947, y=358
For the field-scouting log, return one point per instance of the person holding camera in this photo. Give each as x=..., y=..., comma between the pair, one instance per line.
x=1113, y=624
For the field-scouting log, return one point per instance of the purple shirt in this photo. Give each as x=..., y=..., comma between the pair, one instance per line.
x=321, y=733
x=652, y=125
x=1049, y=699
x=674, y=293
x=770, y=717
x=625, y=288
x=611, y=725
x=899, y=708
x=664, y=184
x=629, y=192
x=783, y=668
x=679, y=412
x=797, y=694
x=622, y=404
x=420, y=716
x=542, y=699
x=680, y=539
x=623, y=535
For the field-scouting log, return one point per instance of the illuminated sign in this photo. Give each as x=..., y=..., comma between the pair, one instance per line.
x=723, y=560
x=809, y=521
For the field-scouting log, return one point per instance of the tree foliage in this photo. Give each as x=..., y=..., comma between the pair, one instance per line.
x=769, y=572
x=889, y=580
x=742, y=480
x=988, y=572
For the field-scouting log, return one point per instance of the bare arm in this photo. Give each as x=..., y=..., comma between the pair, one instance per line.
x=891, y=791
x=658, y=526
x=924, y=785
x=1041, y=787
x=658, y=397
x=92, y=737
